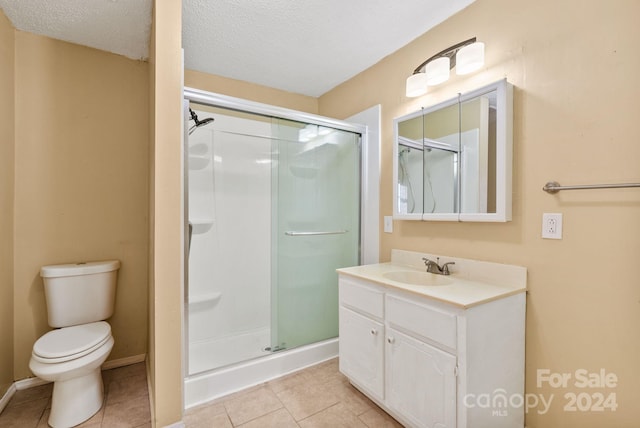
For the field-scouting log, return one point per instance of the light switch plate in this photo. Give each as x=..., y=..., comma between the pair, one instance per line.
x=552, y=225
x=388, y=224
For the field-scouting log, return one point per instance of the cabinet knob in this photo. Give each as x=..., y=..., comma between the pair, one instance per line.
x=374, y=332
x=390, y=339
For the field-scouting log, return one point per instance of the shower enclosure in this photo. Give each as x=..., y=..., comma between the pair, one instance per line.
x=273, y=210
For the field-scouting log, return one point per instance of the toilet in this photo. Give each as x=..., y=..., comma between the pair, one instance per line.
x=79, y=298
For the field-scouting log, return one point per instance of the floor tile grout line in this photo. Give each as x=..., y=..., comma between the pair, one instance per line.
x=319, y=411
x=261, y=416
x=42, y=413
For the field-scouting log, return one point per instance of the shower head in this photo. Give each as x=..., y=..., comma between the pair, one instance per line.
x=205, y=121
x=199, y=123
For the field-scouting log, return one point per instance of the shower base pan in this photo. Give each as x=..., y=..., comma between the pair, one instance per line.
x=204, y=387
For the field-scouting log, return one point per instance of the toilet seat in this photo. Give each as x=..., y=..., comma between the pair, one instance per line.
x=69, y=343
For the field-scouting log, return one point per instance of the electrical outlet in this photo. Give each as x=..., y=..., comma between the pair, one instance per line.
x=552, y=225
x=388, y=224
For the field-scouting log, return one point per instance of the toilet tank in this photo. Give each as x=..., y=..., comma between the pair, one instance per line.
x=80, y=293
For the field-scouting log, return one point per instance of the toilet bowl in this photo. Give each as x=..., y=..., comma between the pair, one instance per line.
x=79, y=298
x=71, y=358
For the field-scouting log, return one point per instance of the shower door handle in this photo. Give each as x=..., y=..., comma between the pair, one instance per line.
x=329, y=232
x=189, y=238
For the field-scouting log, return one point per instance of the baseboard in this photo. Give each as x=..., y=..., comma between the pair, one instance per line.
x=7, y=396
x=30, y=382
x=152, y=397
x=126, y=361
x=179, y=424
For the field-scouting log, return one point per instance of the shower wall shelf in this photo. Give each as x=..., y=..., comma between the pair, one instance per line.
x=209, y=298
x=197, y=162
x=555, y=187
x=201, y=225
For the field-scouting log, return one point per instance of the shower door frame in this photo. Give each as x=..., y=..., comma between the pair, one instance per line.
x=237, y=104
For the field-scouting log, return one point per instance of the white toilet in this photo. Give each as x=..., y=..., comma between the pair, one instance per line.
x=78, y=296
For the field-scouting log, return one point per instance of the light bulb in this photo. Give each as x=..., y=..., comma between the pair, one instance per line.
x=470, y=58
x=416, y=85
x=437, y=71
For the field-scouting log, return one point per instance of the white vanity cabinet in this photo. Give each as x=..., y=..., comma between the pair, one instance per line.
x=420, y=362
x=433, y=364
x=421, y=382
x=363, y=348
x=362, y=337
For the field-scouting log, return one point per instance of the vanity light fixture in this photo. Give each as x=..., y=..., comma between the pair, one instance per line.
x=467, y=57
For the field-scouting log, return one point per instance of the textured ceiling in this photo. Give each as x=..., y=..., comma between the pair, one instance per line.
x=307, y=47
x=118, y=26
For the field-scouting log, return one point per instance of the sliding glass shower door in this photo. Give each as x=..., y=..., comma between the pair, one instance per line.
x=316, y=229
x=274, y=211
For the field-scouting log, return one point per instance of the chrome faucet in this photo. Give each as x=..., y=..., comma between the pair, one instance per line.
x=434, y=267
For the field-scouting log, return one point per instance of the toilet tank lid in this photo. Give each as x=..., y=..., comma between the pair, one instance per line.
x=82, y=268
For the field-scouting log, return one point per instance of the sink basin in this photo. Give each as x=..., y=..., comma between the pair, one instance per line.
x=417, y=278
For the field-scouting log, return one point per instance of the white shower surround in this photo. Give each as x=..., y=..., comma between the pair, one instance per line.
x=227, y=322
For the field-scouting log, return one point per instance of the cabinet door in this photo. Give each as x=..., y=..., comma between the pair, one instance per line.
x=362, y=351
x=421, y=382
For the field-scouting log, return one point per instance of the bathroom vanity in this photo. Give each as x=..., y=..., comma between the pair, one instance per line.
x=436, y=350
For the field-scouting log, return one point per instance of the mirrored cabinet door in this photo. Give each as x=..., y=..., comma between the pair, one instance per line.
x=408, y=168
x=441, y=152
x=478, y=154
x=486, y=117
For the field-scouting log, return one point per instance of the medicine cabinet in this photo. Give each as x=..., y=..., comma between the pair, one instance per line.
x=453, y=160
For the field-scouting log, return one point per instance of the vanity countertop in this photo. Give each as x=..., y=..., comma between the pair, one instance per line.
x=465, y=291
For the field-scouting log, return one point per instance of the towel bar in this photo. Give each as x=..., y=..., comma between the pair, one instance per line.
x=555, y=187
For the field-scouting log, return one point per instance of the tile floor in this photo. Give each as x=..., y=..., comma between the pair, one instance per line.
x=319, y=396
x=126, y=402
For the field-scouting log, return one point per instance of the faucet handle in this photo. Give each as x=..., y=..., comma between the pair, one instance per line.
x=432, y=267
x=445, y=268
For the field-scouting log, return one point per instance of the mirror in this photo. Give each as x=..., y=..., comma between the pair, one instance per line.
x=452, y=161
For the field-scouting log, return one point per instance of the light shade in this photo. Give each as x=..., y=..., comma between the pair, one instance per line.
x=437, y=70
x=470, y=58
x=416, y=85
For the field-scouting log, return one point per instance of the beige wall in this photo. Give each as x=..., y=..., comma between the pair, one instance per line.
x=151, y=354
x=166, y=251
x=250, y=91
x=82, y=129
x=575, y=68
x=7, y=143
x=81, y=180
